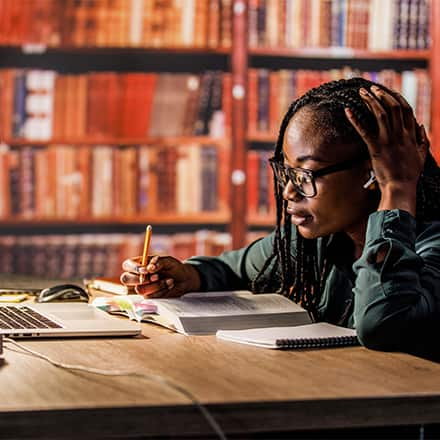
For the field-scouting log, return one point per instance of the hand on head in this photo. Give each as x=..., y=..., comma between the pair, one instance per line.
x=160, y=277
x=398, y=150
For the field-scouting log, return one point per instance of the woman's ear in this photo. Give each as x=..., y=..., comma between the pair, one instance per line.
x=370, y=181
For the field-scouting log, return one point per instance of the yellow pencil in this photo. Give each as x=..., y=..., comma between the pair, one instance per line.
x=146, y=249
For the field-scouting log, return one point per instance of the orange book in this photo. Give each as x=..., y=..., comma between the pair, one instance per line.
x=81, y=106
x=5, y=190
x=201, y=23
x=70, y=110
x=6, y=100
x=226, y=23
x=136, y=103
x=128, y=181
x=224, y=179
x=112, y=105
x=83, y=161
x=213, y=37
x=101, y=14
x=95, y=111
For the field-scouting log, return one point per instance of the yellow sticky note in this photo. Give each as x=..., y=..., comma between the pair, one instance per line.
x=17, y=297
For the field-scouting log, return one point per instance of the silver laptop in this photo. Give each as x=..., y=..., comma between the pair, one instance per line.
x=61, y=320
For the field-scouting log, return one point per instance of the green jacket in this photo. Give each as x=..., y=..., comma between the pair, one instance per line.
x=393, y=304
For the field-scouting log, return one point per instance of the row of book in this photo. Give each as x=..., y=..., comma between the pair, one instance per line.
x=138, y=23
x=357, y=24
x=43, y=104
x=112, y=182
x=271, y=92
x=90, y=255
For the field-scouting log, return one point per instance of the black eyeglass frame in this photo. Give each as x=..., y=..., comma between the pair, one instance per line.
x=313, y=174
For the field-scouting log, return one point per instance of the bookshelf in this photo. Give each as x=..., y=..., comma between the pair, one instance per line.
x=75, y=183
x=80, y=41
x=313, y=57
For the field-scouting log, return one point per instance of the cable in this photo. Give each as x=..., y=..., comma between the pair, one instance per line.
x=153, y=377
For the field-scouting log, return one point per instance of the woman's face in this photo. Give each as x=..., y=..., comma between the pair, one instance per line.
x=341, y=203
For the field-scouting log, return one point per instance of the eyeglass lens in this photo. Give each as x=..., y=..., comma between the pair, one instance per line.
x=301, y=180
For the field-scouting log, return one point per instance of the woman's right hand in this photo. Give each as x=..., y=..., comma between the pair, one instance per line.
x=160, y=277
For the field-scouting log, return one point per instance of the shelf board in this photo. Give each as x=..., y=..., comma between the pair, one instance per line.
x=117, y=59
x=35, y=48
x=175, y=140
x=341, y=53
x=203, y=218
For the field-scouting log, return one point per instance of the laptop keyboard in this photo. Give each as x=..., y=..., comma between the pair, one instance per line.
x=13, y=317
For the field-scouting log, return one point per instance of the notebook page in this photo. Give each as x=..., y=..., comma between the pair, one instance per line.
x=268, y=337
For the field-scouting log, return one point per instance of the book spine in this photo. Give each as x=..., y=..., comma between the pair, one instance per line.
x=19, y=110
x=209, y=178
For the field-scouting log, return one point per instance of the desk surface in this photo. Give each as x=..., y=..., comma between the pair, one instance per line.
x=247, y=389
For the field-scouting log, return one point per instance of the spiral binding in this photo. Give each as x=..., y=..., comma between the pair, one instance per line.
x=335, y=341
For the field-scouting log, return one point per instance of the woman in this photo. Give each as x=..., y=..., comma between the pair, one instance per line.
x=357, y=241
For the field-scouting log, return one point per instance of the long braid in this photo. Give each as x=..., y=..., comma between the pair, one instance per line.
x=301, y=278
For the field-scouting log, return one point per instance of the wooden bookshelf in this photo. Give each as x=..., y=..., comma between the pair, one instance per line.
x=88, y=141
x=341, y=53
x=236, y=59
x=316, y=58
x=214, y=218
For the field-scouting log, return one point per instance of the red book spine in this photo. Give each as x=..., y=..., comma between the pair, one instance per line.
x=252, y=182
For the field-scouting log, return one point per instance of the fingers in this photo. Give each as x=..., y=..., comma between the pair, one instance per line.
x=395, y=118
x=409, y=119
x=363, y=133
x=381, y=116
x=394, y=113
x=133, y=279
x=134, y=265
x=160, y=288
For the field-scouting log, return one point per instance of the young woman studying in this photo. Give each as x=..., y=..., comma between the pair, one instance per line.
x=357, y=239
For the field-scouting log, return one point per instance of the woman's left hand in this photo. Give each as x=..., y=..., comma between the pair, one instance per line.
x=398, y=150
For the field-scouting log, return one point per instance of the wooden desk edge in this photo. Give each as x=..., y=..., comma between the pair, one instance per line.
x=238, y=418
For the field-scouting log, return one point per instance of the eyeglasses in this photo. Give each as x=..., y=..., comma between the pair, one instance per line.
x=303, y=179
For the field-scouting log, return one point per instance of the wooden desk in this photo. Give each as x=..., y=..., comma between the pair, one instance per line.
x=247, y=389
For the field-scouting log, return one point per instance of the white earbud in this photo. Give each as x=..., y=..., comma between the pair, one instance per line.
x=371, y=180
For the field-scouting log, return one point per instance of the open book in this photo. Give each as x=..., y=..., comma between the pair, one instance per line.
x=206, y=312
x=317, y=335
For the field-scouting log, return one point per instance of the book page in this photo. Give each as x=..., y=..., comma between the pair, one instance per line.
x=227, y=303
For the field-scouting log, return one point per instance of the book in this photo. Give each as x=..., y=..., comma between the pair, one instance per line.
x=110, y=285
x=316, y=335
x=203, y=313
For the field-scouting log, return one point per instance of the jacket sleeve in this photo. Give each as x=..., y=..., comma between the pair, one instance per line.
x=397, y=290
x=233, y=270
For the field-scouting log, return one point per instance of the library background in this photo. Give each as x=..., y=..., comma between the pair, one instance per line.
x=120, y=113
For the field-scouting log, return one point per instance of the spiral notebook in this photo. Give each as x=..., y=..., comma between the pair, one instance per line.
x=317, y=335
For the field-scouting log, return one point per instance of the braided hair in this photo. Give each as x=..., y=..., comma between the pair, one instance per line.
x=299, y=277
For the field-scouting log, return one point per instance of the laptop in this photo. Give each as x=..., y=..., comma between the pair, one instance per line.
x=35, y=320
